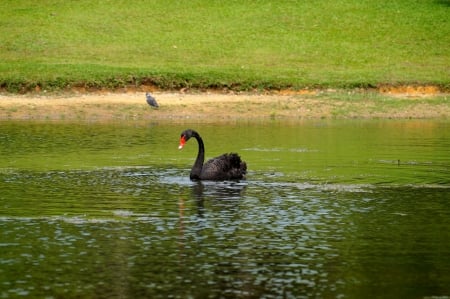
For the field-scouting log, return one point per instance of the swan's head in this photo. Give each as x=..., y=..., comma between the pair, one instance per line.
x=185, y=136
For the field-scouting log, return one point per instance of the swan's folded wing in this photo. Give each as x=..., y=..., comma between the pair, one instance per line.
x=225, y=167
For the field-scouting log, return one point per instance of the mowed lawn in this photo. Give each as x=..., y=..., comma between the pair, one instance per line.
x=208, y=43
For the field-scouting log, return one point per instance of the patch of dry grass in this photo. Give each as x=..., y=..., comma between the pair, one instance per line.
x=216, y=107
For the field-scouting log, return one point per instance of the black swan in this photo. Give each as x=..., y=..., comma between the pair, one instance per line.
x=225, y=167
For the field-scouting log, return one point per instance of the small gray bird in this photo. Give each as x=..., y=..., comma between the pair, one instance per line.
x=151, y=100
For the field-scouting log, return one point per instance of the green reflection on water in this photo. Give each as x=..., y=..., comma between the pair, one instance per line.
x=329, y=209
x=381, y=152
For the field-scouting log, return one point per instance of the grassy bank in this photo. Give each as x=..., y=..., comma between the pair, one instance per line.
x=223, y=44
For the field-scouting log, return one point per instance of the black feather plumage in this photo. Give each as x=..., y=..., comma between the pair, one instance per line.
x=225, y=167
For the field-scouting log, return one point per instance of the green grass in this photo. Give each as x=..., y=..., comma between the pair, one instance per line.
x=233, y=44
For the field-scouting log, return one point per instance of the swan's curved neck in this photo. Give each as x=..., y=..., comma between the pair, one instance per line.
x=198, y=165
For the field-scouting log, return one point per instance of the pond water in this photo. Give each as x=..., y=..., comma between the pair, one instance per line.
x=330, y=209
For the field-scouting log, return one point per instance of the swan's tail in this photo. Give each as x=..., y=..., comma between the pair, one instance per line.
x=238, y=167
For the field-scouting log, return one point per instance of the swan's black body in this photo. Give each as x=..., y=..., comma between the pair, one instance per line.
x=225, y=167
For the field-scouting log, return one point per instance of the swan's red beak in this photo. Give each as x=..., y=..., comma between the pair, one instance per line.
x=182, y=142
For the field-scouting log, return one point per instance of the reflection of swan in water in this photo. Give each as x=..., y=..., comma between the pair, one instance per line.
x=222, y=195
x=222, y=203
x=219, y=196
x=219, y=190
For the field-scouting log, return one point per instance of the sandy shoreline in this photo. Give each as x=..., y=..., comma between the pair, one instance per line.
x=218, y=107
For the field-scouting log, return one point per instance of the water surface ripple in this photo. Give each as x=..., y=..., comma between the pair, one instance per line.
x=319, y=216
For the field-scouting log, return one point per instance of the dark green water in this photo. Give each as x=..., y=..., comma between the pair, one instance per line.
x=330, y=209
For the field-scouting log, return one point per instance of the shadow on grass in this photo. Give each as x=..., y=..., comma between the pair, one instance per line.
x=443, y=2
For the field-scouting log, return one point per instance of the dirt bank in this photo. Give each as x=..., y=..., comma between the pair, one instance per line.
x=213, y=106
